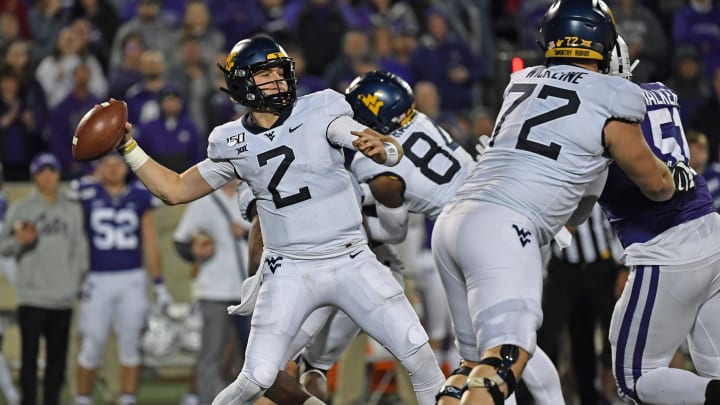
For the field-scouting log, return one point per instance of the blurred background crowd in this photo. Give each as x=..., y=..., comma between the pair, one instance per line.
x=58, y=58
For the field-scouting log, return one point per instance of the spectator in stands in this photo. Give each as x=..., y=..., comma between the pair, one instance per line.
x=64, y=119
x=89, y=45
x=365, y=15
x=428, y=102
x=688, y=80
x=382, y=45
x=306, y=83
x=46, y=237
x=128, y=72
x=280, y=17
x=218, y=107
x=9, y=30
x=471, y=21
x=404, y=43
x=19, y=129
x=706, y=118
x=319, y=32
x=47, y=19
x=454, y=69
x=196, y=25
x=698, y=143
x=339, y=72
x=194, y=74
x=211, y=234
x=171, y=11
x=172, y=138
x=645, y=38
x=17, y=58
x=154, y=31
x=55, y=72
x=142, y=98
x=104, y=23
x=698, y=25
x=19, y=9
x=236, y=19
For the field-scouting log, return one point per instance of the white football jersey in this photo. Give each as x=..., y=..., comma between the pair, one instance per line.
x=432, y=169
x=305, y=199
x=548, y=145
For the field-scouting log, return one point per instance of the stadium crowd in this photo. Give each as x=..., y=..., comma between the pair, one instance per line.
x=61, y=57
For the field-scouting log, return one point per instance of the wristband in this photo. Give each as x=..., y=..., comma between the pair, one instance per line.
x=158, y=280
x=393, y=155
x=133, y=154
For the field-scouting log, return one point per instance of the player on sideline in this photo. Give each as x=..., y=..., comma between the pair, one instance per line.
x=290, y=153
x=672, y=250
x=559, y=127
x=122, y=239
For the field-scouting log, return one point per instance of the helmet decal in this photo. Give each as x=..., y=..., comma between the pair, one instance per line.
x=371, y=102
x=230, y=61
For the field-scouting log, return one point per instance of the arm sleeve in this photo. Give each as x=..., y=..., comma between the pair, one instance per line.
x=390, y=225
x=216, y=172
x=338, y=131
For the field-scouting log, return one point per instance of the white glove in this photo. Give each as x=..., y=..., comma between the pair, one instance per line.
x=482, y=145
x=563, y=238
x=162, y=296
x=248, y=295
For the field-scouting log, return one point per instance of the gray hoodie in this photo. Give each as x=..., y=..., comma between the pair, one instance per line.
x=49, y=272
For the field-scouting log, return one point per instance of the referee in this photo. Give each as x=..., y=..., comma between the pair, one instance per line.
x=580, y=292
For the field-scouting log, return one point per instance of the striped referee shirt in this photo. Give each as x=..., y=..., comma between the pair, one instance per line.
x=593, y=241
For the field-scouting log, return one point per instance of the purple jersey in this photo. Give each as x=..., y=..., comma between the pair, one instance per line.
x=113, y=224
x=636, y=218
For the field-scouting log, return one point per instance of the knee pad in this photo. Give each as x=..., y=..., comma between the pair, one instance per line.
x=450, y=390
x=509, y=355
x=91, y=353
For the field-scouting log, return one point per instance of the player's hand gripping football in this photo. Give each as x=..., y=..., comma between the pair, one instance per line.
x=683, y=176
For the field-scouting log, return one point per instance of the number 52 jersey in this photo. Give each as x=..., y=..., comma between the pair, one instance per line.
x=548, y=146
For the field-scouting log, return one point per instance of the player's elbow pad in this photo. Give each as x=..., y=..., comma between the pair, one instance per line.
x=390, y=226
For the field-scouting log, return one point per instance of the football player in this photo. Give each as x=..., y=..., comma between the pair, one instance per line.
x=558, y=129
x=432, y=170
x=122, y=240
x=672, y=250
x=289, y=151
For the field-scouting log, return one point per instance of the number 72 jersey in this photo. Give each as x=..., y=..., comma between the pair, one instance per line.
x=547, y=146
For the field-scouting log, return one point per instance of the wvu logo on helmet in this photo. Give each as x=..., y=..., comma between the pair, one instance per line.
x=229, y=61
x=276, y=55
x=371, y=102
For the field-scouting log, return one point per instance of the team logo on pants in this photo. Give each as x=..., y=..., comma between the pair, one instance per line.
x=523, y=235
x=273, y=263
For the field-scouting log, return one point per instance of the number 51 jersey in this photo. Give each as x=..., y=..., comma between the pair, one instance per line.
x=548, y=146
x=432, y=169
x=113, y=223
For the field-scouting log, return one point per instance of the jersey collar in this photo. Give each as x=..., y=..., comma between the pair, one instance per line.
x=251, y=126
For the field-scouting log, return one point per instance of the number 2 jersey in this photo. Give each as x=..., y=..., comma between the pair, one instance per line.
x=113, y=223
x=304, y=195
x=548, y=146
x=636, y=218
x=432, y=169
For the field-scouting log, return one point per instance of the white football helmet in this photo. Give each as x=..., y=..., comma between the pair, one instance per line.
x=620, y=60
x=161, y=335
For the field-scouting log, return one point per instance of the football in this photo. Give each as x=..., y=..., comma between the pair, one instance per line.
x=100, y=130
